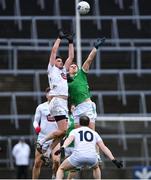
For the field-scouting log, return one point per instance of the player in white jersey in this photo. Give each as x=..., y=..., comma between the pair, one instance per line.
x=43, y=124
x=84, y=153
x=57, y=73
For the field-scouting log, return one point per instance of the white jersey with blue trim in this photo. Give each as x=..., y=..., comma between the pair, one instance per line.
x=44, y=119
x=85, y=140
x=57, y=79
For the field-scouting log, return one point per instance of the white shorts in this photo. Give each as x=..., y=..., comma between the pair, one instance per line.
x=46, y=144
x=46, y=128
x=68, y=151
x=85, y=109
x=79, y=161
x=58, y=106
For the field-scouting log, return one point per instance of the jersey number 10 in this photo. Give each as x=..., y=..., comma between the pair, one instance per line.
x=87, y=136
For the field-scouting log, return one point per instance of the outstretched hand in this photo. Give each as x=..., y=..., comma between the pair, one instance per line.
x=99, y=42
x=61, y=34
x=64, y=35
x=69, y=37
x=118, y=164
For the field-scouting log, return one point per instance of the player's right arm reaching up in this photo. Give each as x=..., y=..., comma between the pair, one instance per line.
x=55, y=47
x=92, y=54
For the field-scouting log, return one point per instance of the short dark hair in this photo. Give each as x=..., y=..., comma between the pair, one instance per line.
x=84, y=121
x=74, y=63
x=58, y=57
x=47, y=90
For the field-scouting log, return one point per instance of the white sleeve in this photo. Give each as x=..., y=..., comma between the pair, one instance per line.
x=98, y=138
x=37, y=117
x=49, y=67
x=72, y=133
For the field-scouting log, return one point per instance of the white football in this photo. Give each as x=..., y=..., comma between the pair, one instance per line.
x=83, y=7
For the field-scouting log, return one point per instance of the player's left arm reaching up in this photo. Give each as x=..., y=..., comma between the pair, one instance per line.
x=92, y=54
x=70, y=58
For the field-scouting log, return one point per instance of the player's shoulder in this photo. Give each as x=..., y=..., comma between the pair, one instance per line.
x=83, y=128
x=74, y=131
x=52, y=67
x=42, y=105
x=93, y=131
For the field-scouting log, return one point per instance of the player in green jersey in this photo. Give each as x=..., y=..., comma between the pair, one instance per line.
x=79, y=89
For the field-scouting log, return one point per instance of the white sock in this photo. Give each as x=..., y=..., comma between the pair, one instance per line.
x=42, y=141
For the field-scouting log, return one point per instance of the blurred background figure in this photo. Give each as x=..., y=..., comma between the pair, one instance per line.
x=21, y=153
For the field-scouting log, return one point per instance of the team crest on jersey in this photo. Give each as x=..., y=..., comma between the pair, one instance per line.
x=64, y=76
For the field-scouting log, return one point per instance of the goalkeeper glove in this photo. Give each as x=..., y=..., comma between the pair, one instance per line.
x=99, y=42
x=61, y=150
x=118, y=164
x=69, y=37
x=62, y=35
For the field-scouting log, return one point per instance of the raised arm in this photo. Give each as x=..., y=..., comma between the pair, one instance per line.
x=89, y=60
x=54, y=50
x=70, y=51
x=91, y=56
x=68, y=141
x=55, y=47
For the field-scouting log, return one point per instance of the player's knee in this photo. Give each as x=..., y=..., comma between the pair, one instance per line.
x=60, y=133
x=96, y=166
x=64, y=131
x=62, y=168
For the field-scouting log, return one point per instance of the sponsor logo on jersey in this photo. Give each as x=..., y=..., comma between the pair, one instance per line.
x=64, y=76
x=50, y=118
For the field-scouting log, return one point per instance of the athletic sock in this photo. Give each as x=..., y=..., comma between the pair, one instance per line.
x=42, y=141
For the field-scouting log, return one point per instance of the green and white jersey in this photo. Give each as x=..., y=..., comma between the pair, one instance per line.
x=79, y=88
